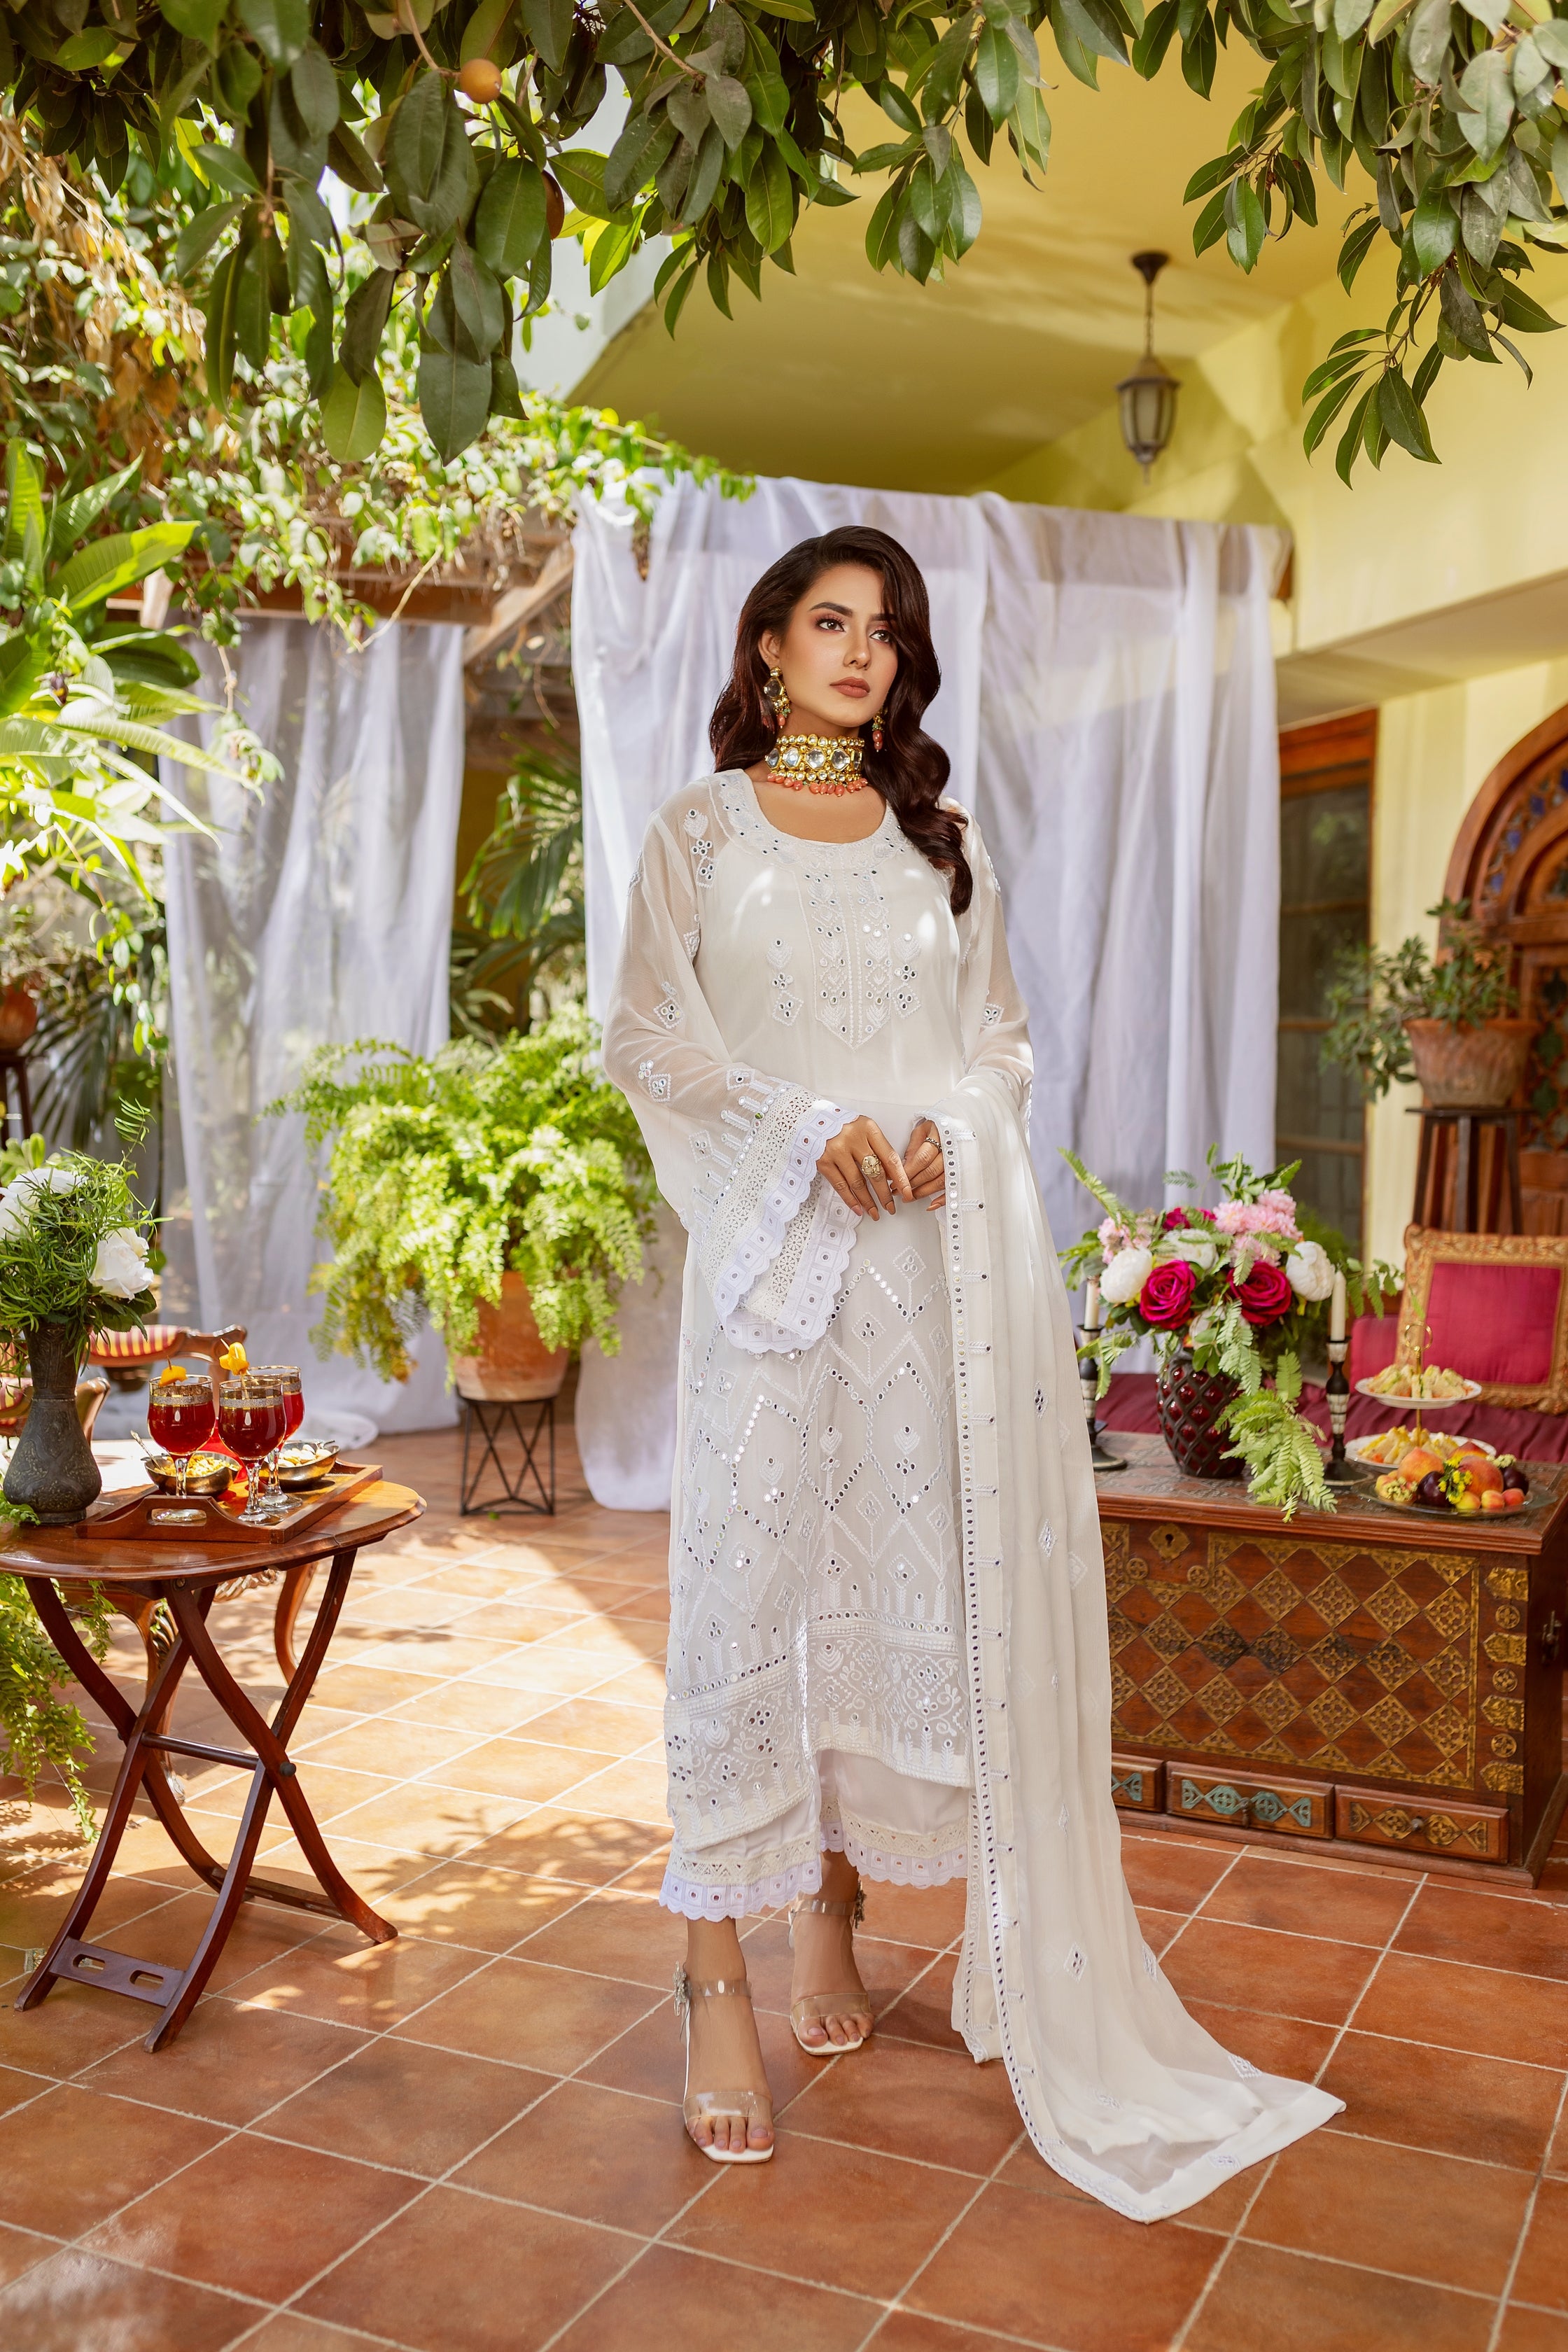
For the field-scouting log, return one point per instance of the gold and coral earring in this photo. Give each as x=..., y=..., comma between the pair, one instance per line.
x=776, y=695
x=877, y=733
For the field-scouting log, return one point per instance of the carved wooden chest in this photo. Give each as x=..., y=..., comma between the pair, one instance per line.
x=1370, y=1679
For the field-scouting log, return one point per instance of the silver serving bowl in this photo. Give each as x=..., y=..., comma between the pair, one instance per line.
x=305, y=1464
x=210, y=1474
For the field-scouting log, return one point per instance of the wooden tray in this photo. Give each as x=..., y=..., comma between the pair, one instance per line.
x=208, y=1518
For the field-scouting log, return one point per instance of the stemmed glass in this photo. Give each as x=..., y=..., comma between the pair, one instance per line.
x=180, y=1416
x=287, y=1376
x=250, y=1423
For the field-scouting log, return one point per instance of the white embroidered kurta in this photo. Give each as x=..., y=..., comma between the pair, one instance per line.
x=887, y=1624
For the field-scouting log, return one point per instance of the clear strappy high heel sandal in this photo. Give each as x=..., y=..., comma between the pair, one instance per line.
x=816, y=2007
x=751, y=2106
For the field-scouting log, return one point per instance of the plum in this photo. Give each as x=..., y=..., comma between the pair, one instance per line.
x=1515, y=1480
x=1430, y=1488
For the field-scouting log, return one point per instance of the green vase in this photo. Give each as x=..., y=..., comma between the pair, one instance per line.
x=52, y=1470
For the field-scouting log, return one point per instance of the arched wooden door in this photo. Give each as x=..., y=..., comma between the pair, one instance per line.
x=1510, y=861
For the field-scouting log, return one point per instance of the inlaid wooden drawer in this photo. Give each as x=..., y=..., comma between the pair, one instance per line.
x=1138, y=1782
x=1254, y=1801
x=1374, y=1818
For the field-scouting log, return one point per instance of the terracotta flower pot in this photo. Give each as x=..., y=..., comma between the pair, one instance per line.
x=1470, y=1069
x=513, y=1364
x=18, y=1019
x=1188, y=1402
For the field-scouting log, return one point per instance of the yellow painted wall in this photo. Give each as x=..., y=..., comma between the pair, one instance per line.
x=1434, y=753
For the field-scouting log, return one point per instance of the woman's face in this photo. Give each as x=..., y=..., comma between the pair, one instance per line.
x=836, y=657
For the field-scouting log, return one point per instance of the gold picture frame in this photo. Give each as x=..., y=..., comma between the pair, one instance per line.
x=1426, y=1247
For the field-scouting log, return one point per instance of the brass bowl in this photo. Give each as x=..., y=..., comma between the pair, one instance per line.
x=295, y=1477
x=212, y=1478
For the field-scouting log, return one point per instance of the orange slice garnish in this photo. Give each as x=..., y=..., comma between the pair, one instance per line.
x=170, y=1372
x=235, y=1359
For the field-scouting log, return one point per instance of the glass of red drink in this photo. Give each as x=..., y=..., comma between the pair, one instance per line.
x=180, y=1417
x=250, y=1423
x=288, y=1379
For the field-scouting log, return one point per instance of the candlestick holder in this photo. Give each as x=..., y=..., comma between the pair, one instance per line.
x=1340, y=1472
x=1100, y=1456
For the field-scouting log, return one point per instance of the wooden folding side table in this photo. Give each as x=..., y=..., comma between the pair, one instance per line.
x=187, y=1578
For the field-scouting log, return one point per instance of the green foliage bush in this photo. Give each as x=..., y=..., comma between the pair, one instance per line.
x=446, y=1172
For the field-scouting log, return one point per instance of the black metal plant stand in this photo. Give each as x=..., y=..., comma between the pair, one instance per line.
x=485, y=1420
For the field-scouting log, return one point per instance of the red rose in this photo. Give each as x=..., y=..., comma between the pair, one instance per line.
x=1265, y=1296
x=1166, y=1298
x=1176, y=1221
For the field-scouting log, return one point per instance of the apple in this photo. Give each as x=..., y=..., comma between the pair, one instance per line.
x=1492, y=1499
x=1512, y=1500
x=1415, y=1464
x=1484, y=1474
x=1468, y=1502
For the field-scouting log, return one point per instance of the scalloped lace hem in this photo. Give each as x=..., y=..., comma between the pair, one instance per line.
x=693, y=1901
x=800, y=1317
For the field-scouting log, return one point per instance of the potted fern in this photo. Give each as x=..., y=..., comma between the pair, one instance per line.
x=503, y=1191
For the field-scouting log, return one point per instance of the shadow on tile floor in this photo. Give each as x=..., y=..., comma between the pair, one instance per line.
x=470, y=2139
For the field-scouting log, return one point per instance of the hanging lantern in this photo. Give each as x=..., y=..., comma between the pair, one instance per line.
x=1147, y=397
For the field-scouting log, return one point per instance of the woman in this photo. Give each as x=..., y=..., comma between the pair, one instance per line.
x=888, y=1653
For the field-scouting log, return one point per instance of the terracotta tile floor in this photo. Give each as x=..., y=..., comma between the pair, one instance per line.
x=470, y=2138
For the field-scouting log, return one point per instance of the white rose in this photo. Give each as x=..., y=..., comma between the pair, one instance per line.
x=1309, y=1270
x=16, y=1201
x=120, y=1269
x=1200, y=1249
x=1125, y=1276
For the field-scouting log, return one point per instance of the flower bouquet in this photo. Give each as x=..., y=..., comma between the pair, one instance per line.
x=1240, y=1289
x=73, y=1260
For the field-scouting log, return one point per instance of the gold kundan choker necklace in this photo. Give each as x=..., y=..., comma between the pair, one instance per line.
x=817, y=763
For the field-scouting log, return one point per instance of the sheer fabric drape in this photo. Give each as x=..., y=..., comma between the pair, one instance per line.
x=1108, y=705
x=320, y=912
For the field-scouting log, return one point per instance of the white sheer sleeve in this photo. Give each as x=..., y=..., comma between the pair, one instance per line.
x=734, y=1150
x=990, y=1006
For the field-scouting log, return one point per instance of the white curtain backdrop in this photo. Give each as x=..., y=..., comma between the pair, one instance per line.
x=1108, y=706
x=321, y=912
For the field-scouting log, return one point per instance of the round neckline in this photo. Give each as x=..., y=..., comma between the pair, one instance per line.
x=752, y=815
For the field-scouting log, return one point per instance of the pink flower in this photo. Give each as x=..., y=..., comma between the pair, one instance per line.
x=1265, y=1296
x=1256, y=1218
x=1113, y=1237
x=1166, y=1298
x=1176, y=1221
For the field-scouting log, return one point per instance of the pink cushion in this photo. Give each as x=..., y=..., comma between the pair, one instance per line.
x=1494, y=1323
x=1374, y=1342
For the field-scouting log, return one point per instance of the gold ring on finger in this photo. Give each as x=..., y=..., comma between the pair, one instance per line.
x=872, y=1166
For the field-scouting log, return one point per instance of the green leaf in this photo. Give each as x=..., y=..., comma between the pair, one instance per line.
x=106, y=566
x=1400, y=417
x=506, y=398
x=1524, y=314
x=1246, y=227
x=26, y=524
x=1349, y=15
x=582, y=175
x=509, y=221
x=703, y=184
x=1096, y=29
x=279, y=29
x=354, y=418
x=1160, y=27
x=609, y=249
x=74, y=518
x=1487, y=89
x=476, y=300
x=352, y=165
x=202, y=232
x=314, y=87
x=1433, y=230
x=996, y=73
x=1350, y=439
x=770, y=200
x=1031, y=125
x=1355, y=248
x=731, y=108
x=882, y=229
x=195, y=20
x=1387, y=13
x=549, y=24
x=1462, y=317
x=769, y=91
x=1326, y=411
x=252, y=306
x=1429, y=32
x=481, y=34
x=454, y=400
x=364, y=323
x=415, y=144
x=897, y=107
x=220, y=330
x=227, y=167
x=795, y=11
x=1211, y=223
x=1491, y=12
x=84, y=50
x=1552, y=40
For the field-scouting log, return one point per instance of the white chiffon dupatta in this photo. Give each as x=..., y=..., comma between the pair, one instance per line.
x=1123, y=2093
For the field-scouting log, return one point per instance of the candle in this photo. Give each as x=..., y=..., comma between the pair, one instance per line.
x=1337, y=1309
x=1091, y=1305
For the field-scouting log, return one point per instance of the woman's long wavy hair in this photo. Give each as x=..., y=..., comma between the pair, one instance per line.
x=910, y=770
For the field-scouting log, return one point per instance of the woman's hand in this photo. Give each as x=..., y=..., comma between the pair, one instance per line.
x=840, y=1163
x=924, y=1166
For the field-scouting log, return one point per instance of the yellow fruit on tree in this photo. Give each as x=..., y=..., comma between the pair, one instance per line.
x=480, y=80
